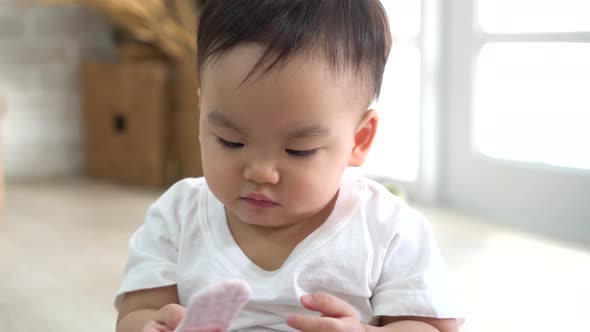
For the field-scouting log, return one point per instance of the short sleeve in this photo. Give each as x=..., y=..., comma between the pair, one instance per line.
x=153, y=248
x=414, y=280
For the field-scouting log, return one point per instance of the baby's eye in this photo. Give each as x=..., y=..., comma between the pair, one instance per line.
x=301, y=153
x=228, y=144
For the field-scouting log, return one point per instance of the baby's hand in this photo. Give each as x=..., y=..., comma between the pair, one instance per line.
x=167, y=319
x=337, y=315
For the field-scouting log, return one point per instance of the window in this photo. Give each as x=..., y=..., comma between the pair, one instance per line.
x=532, y=79
x=517, y=112
x=531, y=103
x=485, y=108
x=533, y=16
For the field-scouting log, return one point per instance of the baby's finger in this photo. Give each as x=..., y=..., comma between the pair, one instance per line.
x=312, y=323
x=328, y=305
x=153, y=326
x=171, y=315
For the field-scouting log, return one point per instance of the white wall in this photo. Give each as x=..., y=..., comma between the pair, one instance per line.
x=40, y=53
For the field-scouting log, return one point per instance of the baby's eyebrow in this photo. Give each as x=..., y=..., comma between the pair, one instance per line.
x=217, y=118
x=310, y=131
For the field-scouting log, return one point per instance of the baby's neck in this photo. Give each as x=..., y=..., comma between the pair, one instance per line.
x=269, y=247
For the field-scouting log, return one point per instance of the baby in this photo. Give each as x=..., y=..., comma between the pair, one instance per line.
x=285, y=94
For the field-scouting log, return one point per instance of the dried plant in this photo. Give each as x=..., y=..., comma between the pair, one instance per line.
x=169, y=25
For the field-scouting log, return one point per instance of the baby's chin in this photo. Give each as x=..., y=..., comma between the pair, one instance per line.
x=274, y=217
x=267, y=221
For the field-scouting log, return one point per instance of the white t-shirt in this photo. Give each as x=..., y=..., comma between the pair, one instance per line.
x=373, y=251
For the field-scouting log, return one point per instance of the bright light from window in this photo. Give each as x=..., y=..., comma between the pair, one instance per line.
x=518, y=16
x=396, y=149
x=532, y=103
x=404, y=17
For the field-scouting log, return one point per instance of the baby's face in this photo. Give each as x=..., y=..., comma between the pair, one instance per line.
x=274, y=148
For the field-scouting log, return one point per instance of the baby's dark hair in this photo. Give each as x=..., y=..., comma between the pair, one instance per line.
x=349, y=34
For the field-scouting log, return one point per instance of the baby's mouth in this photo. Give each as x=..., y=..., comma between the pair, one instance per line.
x=258, y=200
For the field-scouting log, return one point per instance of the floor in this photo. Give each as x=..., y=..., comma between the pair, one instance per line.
x=63, y=246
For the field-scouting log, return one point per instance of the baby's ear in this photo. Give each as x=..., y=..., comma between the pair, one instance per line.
x=363, y=138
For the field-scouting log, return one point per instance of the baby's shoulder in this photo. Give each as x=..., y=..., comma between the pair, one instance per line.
x=375, y=198
x=182, y=200
x=185, y=190
x=385, y=213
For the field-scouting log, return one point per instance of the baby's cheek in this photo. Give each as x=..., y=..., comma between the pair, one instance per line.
x=315, y=191
x=217, y=163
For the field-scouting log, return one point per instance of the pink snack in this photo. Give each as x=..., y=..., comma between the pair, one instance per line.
x=212, y=309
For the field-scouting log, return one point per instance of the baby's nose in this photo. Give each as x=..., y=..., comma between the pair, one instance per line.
x=261, y=172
